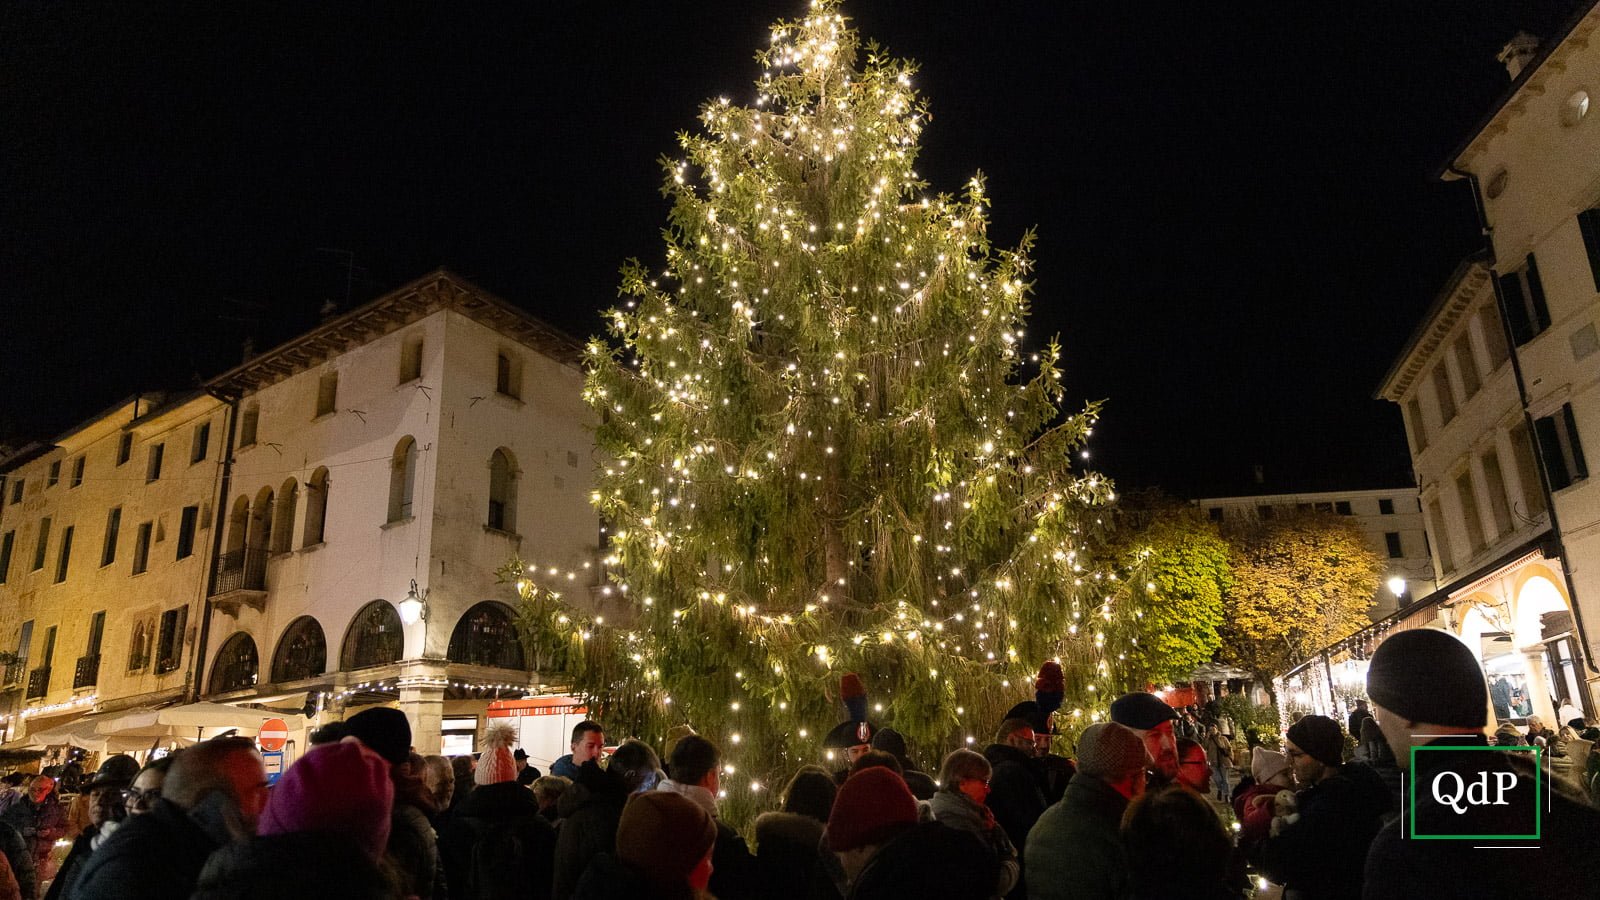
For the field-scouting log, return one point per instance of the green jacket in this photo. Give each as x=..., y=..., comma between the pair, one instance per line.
x=1075, y=849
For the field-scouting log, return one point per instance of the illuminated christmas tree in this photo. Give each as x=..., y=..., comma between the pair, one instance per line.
x=828, y=449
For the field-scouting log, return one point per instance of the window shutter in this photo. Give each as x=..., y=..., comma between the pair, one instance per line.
x=1516, y=308
x=1541, y=312
x=1550, y=451
x=1589, y=224
x=1580, y=468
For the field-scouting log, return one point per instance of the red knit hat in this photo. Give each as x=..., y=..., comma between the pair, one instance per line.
x=341, y=788
x=872, y=806
x=496, y=764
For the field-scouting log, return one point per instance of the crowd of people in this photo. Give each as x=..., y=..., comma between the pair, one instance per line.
x=1137, y=812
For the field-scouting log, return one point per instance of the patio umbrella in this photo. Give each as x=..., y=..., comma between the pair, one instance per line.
x=193, y=721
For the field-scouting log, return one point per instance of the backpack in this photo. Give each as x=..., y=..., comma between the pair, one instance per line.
x=511, y=860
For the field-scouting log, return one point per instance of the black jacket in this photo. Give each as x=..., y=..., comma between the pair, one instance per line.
x=413, y=853
x=76, y=857
x=18, y=853
x=609, y=878
x=789, y=862
x=1016, y=796
x=1565, y=865
x=156, y=856
x=1321, y=855
x=327, y=864
x=928, y=860
x=498, y=847
x=590, y=810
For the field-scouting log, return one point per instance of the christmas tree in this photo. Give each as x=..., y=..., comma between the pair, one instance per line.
x=828, y=450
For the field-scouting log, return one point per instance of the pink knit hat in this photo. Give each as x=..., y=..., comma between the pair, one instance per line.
x=496, y=764
x=342, y=788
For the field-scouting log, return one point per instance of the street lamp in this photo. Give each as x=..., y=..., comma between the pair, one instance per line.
x=1397, y=587
x=414, y=608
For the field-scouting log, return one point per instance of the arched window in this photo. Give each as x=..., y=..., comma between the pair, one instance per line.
x=237, y=665
x=375, y=637
x=316, y=507
x=487, y=636
x=502, y=492
x=238, y=524
x=260, y=537
x=283, y=519
x=402, y=478
x=302, y=651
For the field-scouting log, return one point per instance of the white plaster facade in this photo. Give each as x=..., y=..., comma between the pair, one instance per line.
x=1390, y=519
x=345, y=466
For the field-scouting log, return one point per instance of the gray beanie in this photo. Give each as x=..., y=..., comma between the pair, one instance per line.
x=1110, y=751
x=1428, y=675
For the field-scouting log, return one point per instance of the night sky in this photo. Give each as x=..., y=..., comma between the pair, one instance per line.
x=1238, y=223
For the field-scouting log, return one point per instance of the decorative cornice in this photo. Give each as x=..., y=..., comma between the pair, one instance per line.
x=439, y=290
x=1449, y=307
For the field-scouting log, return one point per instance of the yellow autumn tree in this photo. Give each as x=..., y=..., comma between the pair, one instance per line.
x=1301, y=580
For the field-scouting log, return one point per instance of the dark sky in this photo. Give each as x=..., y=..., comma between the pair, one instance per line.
x=1237, y=224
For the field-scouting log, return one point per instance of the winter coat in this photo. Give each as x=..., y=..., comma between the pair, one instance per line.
x=1255, y=820
x=82, y=846
x=790, y=862
x=1054, y=771
x=609, y=878
x=1321, y=854
x=957, y=810
x=1219, y=750
x=9, y=890
x=927, y=860
x=156, y=856
x=922, y=787
x=590, y=810
x=19, y=860
x=1565, y=865
x=1016, y=795
x=732, y=866
x=498, y=847
x=1075, y=851
x=565, y=767
x=328, y=864
x=40, y=823
x=413, y=852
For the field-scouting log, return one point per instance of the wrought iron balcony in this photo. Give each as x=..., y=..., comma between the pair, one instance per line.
x=38, y=682
x=87, y=671
x=240, y=576
x=14, y=673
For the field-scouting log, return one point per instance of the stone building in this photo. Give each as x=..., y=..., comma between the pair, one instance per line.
x=361, y=486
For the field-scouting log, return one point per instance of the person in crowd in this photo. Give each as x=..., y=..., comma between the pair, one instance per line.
x=877, y=759
x=886, y=853
x=852, y=738
x=1253, y=806
x=1538, y=734
x=1428, y=690
x=960, y=803
x=331, y=733
x=19, y=862
x=440, y=778
x=547, y=792
x=1358, y=715
x=1340, y=807
x=1373, y=751
x=38, y=815
x=893, y=743
x=1559, y=748
x=526, y=774
x=1151, y=719
x=1219, y=756
x=1016, y=795
x=384, y=730
x=463, y=767
x=1567, y=712
x=1075, y=851
x=1176, y=830
x=589, y=811
x=146, y=788
x=413, y=851
x=1507, y=735
x=588, y=742
x=326, y=824
x=790, y=861
x=811, y=793
x=212, y=797
x=1194, y=770
x=697, y=774
x=664, y=845
x=107, y=809
x=498, y=847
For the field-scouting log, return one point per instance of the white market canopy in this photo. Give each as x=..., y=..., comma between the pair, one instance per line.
x=190, y=722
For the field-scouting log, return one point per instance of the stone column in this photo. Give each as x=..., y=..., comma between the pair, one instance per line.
x=422, y=700
x=1539, y=687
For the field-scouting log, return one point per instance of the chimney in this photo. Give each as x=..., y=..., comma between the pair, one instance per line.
x=1518, y=52
x=1261, y=474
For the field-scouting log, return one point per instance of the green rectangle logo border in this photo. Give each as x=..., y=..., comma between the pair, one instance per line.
x=1538, y=796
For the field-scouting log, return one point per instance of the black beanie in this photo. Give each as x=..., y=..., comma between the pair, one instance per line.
x=384, y=730
x=1320, y=737
x=1428, y=675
